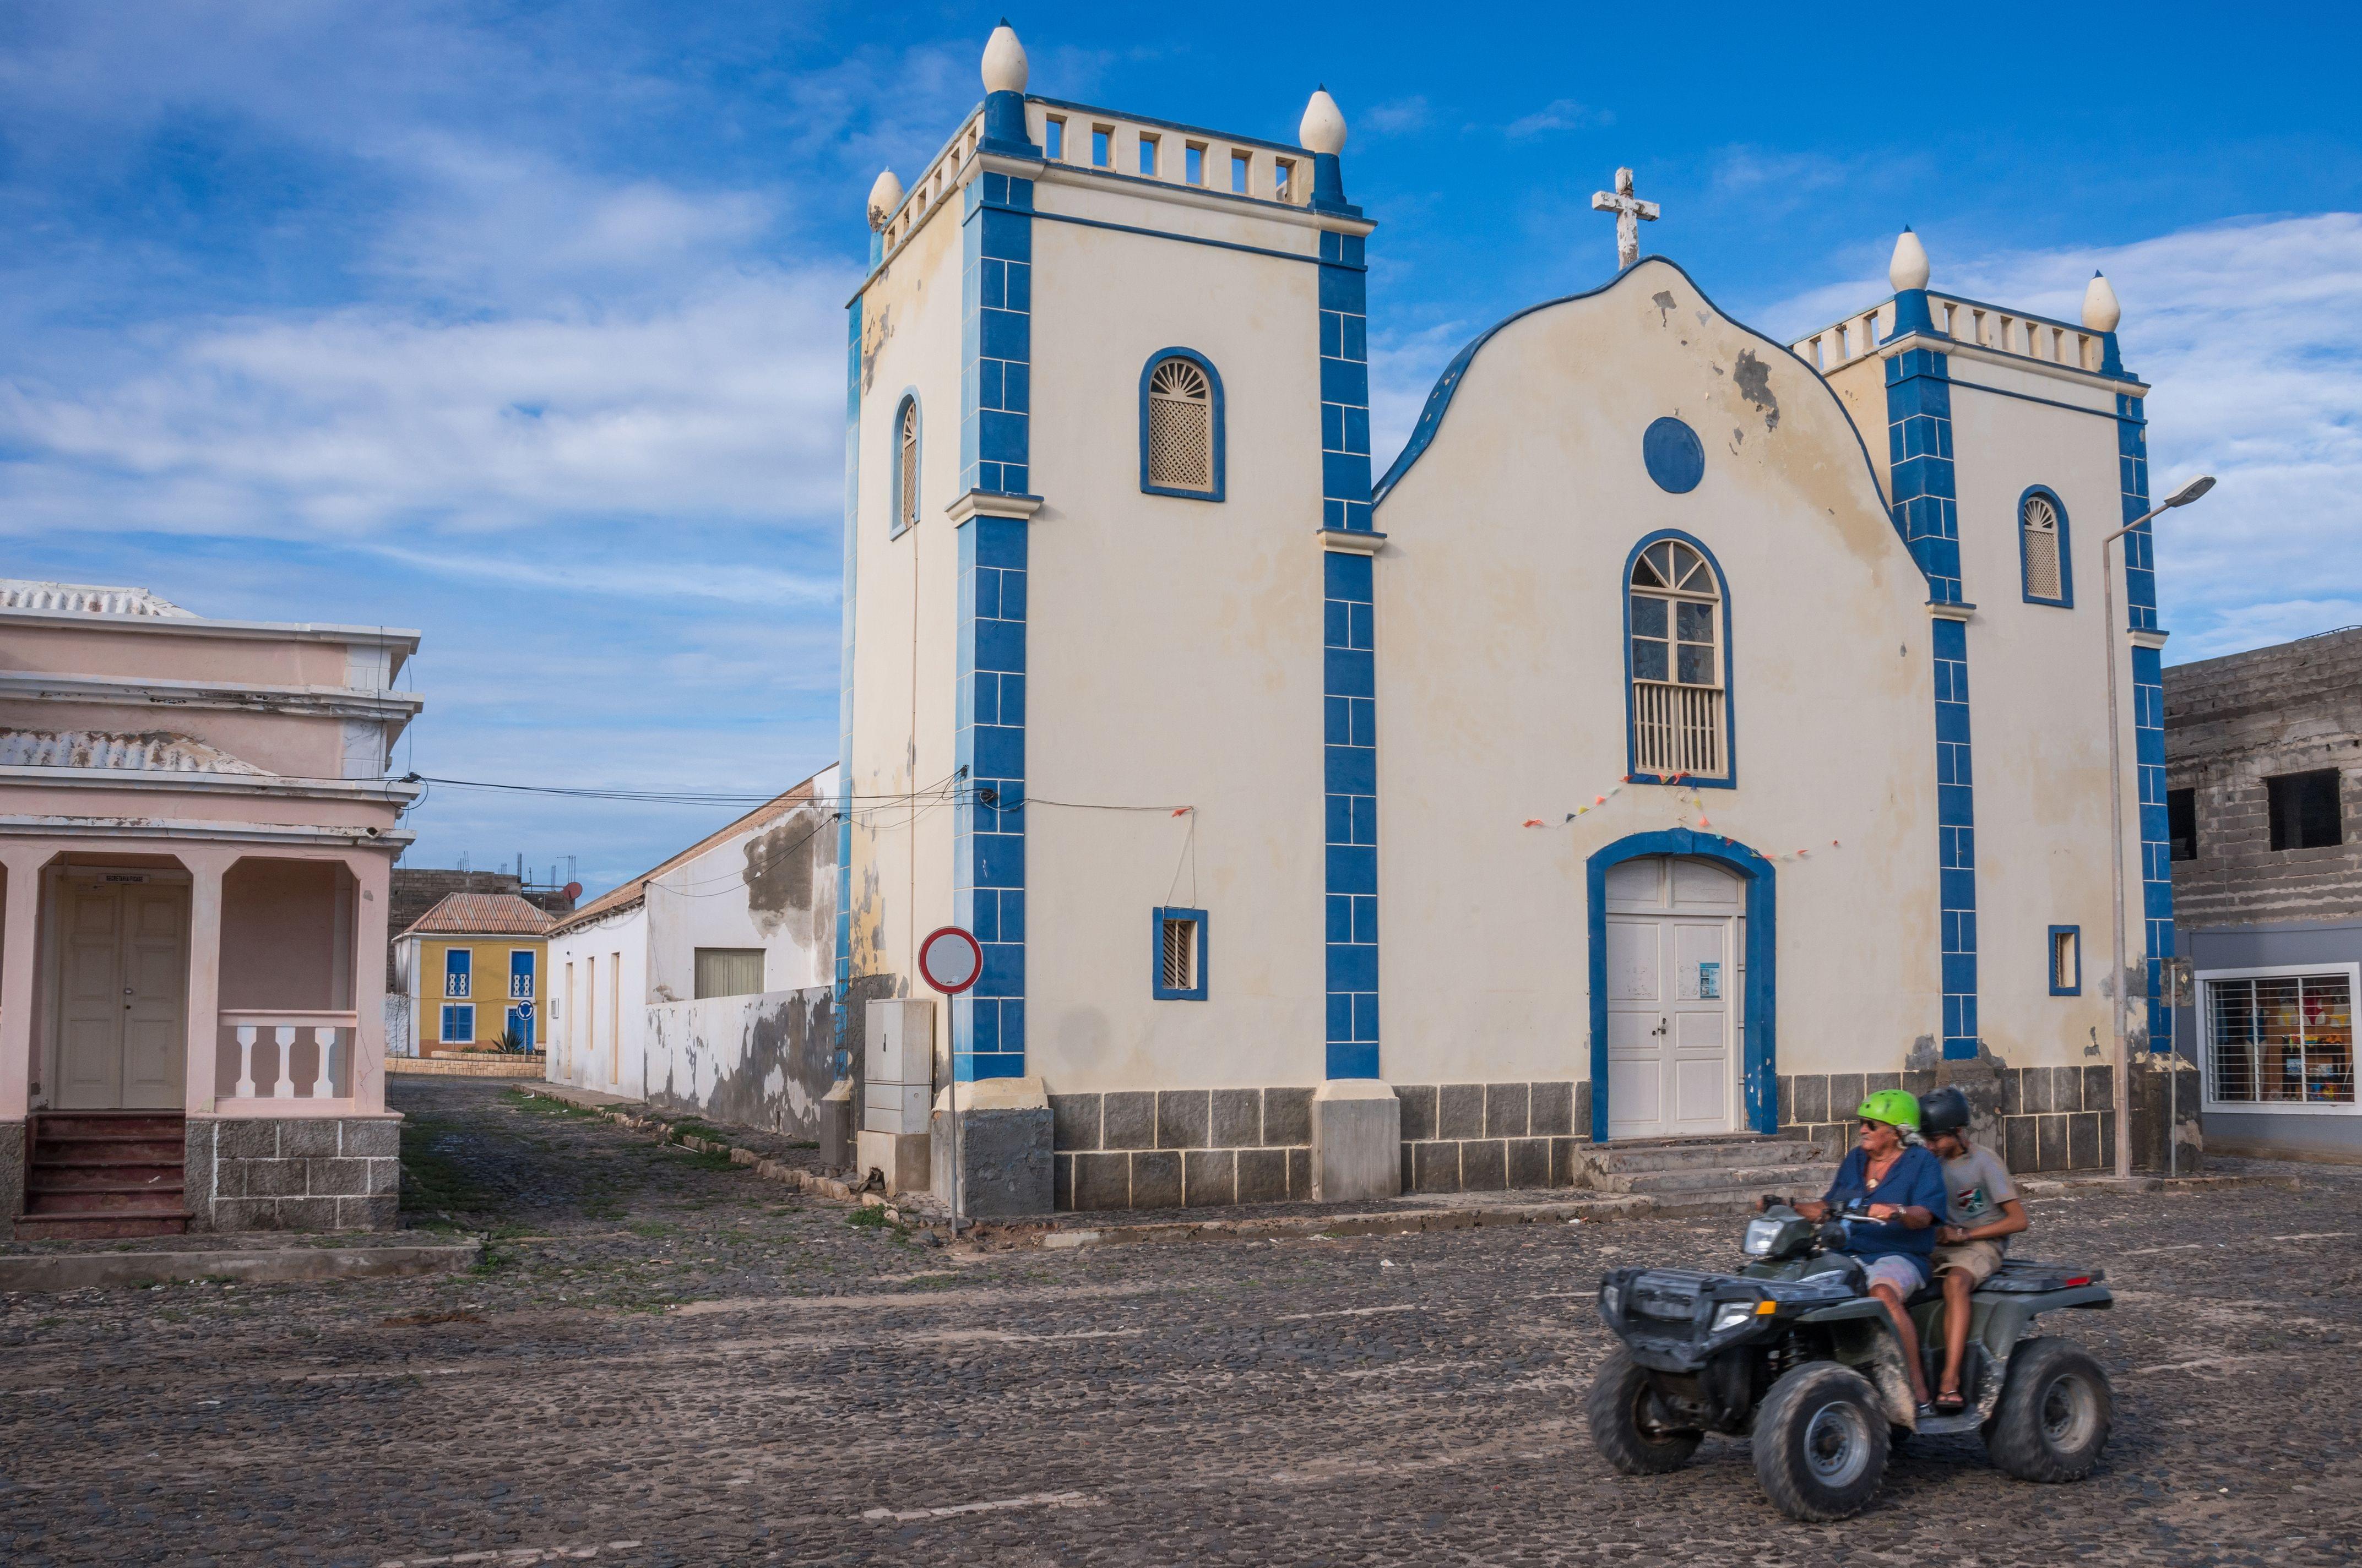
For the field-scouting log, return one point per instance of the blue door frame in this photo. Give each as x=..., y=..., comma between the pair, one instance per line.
x=1762, y=1085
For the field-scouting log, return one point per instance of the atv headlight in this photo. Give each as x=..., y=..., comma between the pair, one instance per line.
x=1611, y=1300
x=1763, y=1235
x=1730, y=1314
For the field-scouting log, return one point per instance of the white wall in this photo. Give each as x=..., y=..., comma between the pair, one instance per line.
x=773, y=887
x=1501, y=696
x=601, y=1039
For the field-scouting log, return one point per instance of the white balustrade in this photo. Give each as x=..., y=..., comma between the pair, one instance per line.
x=1677, y=729
x=285, y=1029
x=2012, y=333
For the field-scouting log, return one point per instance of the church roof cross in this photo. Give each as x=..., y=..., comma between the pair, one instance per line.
x=1630, y=211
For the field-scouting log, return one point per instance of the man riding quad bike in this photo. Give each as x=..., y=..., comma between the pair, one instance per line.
x=1793, y=1351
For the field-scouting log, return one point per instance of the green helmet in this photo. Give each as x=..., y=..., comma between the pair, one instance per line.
x=1894, y=1107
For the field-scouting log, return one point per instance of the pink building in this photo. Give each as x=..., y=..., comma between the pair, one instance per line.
x=196, y=832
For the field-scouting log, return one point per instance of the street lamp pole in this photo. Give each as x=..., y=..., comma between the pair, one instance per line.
x=2119, y=992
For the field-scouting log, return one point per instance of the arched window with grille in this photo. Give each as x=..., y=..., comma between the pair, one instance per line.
x=2042, y=548
x=1181, y=426
x=1677, y=663
x=906, y=463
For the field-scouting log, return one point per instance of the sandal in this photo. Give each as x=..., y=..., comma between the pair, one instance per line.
x=1950, y=1402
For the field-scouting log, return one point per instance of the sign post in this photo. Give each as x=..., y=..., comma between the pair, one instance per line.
x=951, y=960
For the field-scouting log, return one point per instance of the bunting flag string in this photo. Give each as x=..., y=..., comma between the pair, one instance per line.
x=1690, y=813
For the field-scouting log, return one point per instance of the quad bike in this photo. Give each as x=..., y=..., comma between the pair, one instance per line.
x=1793, y=1352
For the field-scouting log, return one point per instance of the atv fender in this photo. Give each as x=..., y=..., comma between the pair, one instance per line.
x=2005, y=1320
x=1863, y=1336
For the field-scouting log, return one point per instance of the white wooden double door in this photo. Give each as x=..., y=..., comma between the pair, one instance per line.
x=122, y=992
x=1677, y=936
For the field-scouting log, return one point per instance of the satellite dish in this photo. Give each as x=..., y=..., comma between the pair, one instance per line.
x=573, y=890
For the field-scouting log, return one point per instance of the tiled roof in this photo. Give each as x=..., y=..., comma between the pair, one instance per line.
x=636, y=889
x=480, y=913
x=85, y=598
x=149, y=750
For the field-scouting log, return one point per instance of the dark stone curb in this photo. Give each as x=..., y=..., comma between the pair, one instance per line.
x=88, y=1270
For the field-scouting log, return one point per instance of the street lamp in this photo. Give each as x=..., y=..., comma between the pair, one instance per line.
x=2121, y=999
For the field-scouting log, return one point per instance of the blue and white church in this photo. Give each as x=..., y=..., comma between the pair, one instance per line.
x=1686, y=733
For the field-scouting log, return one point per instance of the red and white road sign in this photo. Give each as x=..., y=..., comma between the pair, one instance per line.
x=950, y=959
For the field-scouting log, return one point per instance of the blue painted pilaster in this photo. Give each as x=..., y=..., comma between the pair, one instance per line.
x=996, y=461
x=844, y=969
x=1927, y=510
x=1349, y=677
x=2148, y=713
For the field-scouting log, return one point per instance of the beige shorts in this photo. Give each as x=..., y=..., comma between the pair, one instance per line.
x=1976, y=1259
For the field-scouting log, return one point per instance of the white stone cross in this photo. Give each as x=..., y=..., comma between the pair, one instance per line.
x=1628, y=210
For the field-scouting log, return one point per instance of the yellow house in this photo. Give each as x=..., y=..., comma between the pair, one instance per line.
x=474, y=968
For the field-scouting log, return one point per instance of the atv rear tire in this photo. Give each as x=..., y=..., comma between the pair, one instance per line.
x=2054, y=1414
x=1627, y=1425
x=1821, y=1443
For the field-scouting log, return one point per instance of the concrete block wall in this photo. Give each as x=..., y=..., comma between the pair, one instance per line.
x=288, y=1174
x=2230, y=724
x=1493, y=1137
x=1172, y=1148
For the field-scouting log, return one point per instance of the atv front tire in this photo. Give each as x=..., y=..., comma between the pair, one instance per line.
x=1627, y=1424
x=1821, y=1443
x=2054, y=1414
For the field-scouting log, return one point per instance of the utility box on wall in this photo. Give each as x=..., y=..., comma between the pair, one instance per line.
x=898, y=1091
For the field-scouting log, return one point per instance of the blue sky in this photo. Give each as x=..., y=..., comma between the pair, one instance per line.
x=521, y=324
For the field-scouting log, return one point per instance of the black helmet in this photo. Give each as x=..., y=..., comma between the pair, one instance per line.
x=1944, y=1111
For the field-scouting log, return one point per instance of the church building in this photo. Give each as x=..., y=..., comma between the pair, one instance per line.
x=1684, y=734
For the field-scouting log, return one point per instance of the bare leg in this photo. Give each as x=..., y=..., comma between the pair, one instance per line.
x=1957, y=1288
x=1909, y=1337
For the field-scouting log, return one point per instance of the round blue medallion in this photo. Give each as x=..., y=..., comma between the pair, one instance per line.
x=1676, y=460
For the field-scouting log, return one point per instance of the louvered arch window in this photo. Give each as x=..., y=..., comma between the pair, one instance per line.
x=2042, y=546
x=1181, y=426
x=1677, y=663
x=906, y=464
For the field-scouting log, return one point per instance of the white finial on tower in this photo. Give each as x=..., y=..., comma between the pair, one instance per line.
x=1323, y=128
x=1909, y=268
x=884, y=197
x=2101, y=312
x=1004, y=61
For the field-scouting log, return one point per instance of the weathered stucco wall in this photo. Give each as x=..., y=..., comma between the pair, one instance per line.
x=757, y=1061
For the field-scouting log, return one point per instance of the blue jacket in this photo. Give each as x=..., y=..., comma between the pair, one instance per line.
x=1914, y=1180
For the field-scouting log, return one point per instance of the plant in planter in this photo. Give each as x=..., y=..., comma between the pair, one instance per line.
x=512, y=1040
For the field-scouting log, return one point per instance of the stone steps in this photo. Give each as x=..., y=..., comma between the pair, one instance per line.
x=1701, y=1154
x=96, y=1175
x=1792, y=1179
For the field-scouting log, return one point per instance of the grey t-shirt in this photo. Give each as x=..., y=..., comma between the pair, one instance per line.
x=1975, y=1186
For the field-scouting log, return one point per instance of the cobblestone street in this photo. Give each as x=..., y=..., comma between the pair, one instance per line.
x=665, y=1360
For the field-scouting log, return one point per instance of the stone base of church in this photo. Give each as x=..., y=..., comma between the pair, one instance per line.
x=2039, y=1119
x=1356, y=1141
x=1173, y=1148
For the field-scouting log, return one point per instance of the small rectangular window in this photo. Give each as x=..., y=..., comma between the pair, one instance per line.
x=1242, y=170
x=1180, y=956
x=457, y=970
x=1053, y=137
x=460, y=1024
x=1103, y=146
x=2181, y=823
x=1283, y=179
x=2065, y=961
x=1148, y=149
x=729, y=971
x=2305, y=810
x=1193, y=163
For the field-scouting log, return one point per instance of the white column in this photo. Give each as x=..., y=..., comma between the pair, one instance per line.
x=206, y=865
x=246, y=1033
x=365, y=1074
x=285, y=1088
x=20, y=923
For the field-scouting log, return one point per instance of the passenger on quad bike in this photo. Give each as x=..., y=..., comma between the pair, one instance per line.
x=1981, y=1212
x=1889, y=1193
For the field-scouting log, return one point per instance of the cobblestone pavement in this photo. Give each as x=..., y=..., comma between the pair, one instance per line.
x=668, y=1361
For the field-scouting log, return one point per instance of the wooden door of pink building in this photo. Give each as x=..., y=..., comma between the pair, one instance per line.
x=122, y=993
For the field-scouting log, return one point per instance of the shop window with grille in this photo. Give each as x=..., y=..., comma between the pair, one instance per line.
x=2281, y=1040
x=1679, y=712
x=1181, y=427
x=2305, y=810
x=2042, y=537
x=1180, y=956
x=729, y=971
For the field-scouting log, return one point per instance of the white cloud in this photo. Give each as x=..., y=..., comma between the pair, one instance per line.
x=1560, y=115
x=2250, y=334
